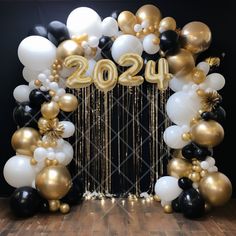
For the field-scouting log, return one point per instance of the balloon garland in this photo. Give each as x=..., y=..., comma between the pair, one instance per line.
x=89, y=50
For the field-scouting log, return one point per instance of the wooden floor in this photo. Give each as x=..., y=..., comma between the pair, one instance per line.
x=125, y=218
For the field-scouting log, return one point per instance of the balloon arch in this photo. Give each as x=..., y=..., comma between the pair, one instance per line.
x=88, y=50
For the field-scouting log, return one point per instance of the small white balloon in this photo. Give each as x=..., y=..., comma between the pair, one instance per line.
x=21, y=93
x=42, y=77
x=51, y=155
x=212, y=169
x=69, y=128
x=93, y=41
x=36, y=52
x=137, y=28
x=148, y=45
x=214, y=81
x=204, y=66
x=40, y=154
x=61, y=91
x=177, y=84
x=204, y=165
x=109, y=26
x=60, y=156
x=211, y=161
x=30, y=75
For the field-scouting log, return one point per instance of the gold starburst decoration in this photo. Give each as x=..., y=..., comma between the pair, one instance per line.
x=210, y=100
x=52, y=129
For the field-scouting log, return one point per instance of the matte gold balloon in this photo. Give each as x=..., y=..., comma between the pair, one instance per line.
x=50, y=110
x=215, y=188
x=149, y=13
x=54, y=205
x=207, y=133
x=68, y=102
x=53, y=182
x=126, y=21
x=178, y=167
x=167, y=23
x=168, y=209
x=68, y=48
x=181, y=63
x=198, y=76
x=196, y=37
x=24, y=141
x=64, y=208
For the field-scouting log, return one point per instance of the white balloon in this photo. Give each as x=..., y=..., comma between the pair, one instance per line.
x=126, y=44
x=173, y=137
x=69, y=128
x=91, y=66
x=211, y=161
x=204, y=165
x=93, y=41
x=40, y=154
x=212, y=169
x=30, y=75
x=109, y=27
x=167, y=188
x=204, y=66
x=60, y=156
x=21, y=93
x=182, y=107
x=69, y=152
x=18, y=171
x=84, y=20
x=176, y=84
x=36, y=52
x=215, y=81
x=148, y=45
x=137, y=28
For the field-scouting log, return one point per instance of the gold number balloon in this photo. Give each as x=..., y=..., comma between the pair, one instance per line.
x=130, y=77
x=78, y=79
x=53, y=182
x=179, y=167
x=215, y=188
x=24, y=141
x=105, y=68
x=162, y=77
x=126, y=21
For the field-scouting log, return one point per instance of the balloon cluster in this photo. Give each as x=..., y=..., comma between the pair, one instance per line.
x=89, y=50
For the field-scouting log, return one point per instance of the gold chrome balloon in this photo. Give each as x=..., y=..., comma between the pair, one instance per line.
x=168, y=209
x=179, y=167
x=54, y=205
x=126, y=21
x=24, y=141
x=68, y=102
x=64, y=208
x=207, y=133
x=68, y=48
x=196, y=37
x=181, y=63
x=198, y=76
x=215, y=188
x=53, y=182
x=167, y=23
x=50, y=110
x=157, y=198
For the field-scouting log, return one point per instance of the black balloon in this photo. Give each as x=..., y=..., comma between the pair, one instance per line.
x=115, y=14
x=39, y=30
x=220, y=114
x=38, y=97
x=26, y=115
x=44, y=206
x=175, y=205
x=57, y=32
x=169, y=41
x=192, y=204
x=25, y=202
x=106, y=54
x=185, y=183
x=105, y=43
x=208, y=115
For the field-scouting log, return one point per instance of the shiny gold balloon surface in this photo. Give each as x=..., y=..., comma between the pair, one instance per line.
x=53, y=182
x=178, y=167
x=216, y=188
x=126, y=21
x=54, y=205
x=207, y=133
x=149, y=13
x=181, y=63
x=64, y=208
x=168, y=209
x=24, y=141
x=68, y=102
x=50, y=110
x=68, y=48
x=167, y=23
x=196, y=37
x=198, y=76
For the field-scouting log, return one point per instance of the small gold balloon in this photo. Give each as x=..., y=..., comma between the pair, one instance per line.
x=203, y=173
x=68, y=48
x=53, y=182
x=149, y=13
x=33, y=162
x=68, y=102
x=54, y=205
x=168, y=209
x=198, y=76
x=181, y=63
x=25, y=140
x=50, y=110
x=167, y=23
x=195, y=177
x=178, y=167
x=157, y=198
x=64, y=208
x=126, y=21
x=196, y=37
x=215, y=188
x=207, y=133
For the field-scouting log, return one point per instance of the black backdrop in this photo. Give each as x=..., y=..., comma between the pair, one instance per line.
x=17, y=17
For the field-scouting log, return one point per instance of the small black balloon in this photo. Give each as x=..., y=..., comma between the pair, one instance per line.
x=175, y=205
x=192, y=150
x=169, y=41
x=26, y=115
x=25, y=202
x=38, y=97
x=106, y=54
x=38, y=30
x=192, y=204
x=44, y=206
x=201, y=153
x=185, y=183
x=57, y=32
x=208, y=115
x=220, y=114
x=188, y=151
x=105, y=43
x=115, y=14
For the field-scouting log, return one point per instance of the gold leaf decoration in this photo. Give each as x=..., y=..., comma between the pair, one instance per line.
x=210, y=100
x=213, y=61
